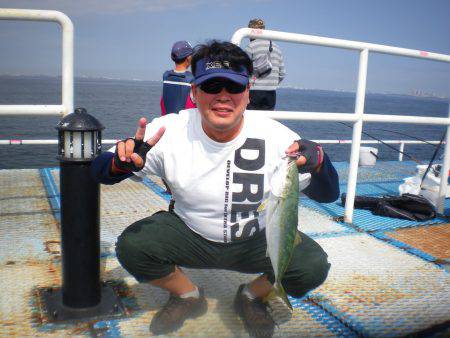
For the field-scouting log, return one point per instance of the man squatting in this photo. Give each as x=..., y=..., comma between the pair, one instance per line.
x=218, y=161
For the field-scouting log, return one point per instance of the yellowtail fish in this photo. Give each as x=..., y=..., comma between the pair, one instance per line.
x=280, y=212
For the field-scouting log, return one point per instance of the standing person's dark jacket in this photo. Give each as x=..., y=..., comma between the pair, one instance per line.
x=176, y=90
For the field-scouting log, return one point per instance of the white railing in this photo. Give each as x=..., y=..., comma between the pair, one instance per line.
x=401, y=149
x=67, y=62
x=401, y=143
x=358, y=117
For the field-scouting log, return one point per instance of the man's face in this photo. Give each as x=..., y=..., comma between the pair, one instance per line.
x=221, y=113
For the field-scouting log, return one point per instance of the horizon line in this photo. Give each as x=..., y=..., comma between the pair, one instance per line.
x=413, y=93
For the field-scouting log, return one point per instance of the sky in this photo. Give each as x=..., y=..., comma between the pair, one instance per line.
x=131, y=39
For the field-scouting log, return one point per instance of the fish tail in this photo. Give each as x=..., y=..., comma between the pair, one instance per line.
x=282, y=294
x=278, y=291
x=279, y=307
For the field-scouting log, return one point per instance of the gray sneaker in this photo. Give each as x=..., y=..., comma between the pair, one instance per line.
x=173, y=314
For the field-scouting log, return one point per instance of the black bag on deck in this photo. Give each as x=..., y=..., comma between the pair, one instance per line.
x=406, y=206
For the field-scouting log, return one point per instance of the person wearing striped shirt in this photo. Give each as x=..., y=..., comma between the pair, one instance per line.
x=177, y=82
x=263, y=89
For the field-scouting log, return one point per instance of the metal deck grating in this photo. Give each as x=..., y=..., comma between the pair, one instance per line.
x=433, y=240
x=374, y=188
x=382, y=291
x=24, y=210
x=18, y=315
x=25, y=237
x=316, y=224
x=382, y=171
x=141, y=202
x=220, y=321
x=375, y=287
x=408, y=248
x=112, y=224
x=366, y=221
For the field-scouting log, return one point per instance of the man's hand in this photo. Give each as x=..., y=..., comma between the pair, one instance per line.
x=131, y=153
x=309, y=155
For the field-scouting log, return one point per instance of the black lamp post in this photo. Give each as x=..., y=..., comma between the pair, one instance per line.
x=79, y=136
x=82, y=295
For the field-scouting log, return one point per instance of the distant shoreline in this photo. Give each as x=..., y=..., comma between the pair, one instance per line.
x=77, y=78
x=155, y=82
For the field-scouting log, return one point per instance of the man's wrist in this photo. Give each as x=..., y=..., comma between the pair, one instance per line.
x=114, y=170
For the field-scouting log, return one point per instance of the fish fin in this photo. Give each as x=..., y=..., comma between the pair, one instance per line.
x=282, y=294
x=262, y=206
x=278, y=291
x=297, y=239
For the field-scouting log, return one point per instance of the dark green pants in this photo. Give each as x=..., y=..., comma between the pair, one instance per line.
x=150, y=248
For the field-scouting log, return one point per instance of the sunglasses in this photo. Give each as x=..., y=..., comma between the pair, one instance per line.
x=216, y=86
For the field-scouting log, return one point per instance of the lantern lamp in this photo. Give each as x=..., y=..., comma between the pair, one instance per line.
x=82, y=295
x=79, y=137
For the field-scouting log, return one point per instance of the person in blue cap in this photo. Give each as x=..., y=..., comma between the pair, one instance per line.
x=177, y=81
x=218, y=159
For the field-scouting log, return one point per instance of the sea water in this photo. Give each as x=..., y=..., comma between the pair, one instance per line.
x=118, y=105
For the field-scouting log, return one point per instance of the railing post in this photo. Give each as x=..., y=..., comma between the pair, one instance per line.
x=444, y=170
x=67, y=61
x=67, y=67
x=402, y=148
x=356, y=138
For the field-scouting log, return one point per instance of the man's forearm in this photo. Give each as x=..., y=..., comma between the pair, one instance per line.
x=324, y=186
x=103, y=172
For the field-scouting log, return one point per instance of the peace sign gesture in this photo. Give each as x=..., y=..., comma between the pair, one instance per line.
x=131, y=153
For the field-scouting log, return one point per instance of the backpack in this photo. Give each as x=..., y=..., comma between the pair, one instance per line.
x=262, y=65
x=406, y=206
